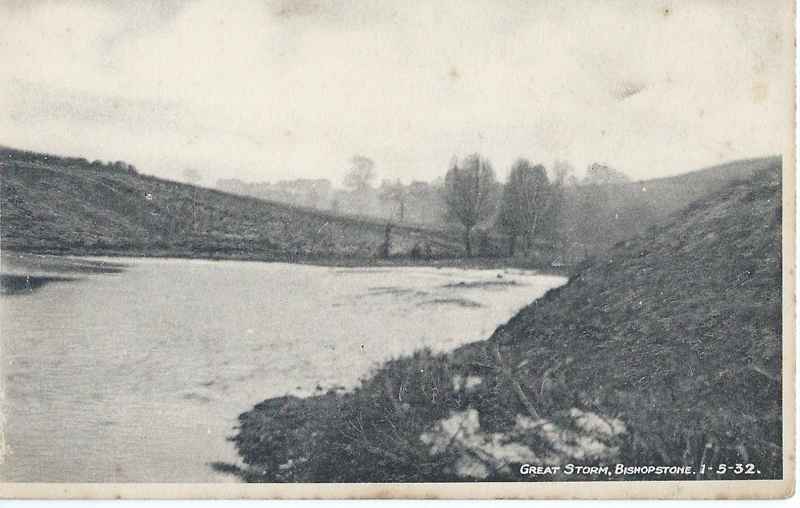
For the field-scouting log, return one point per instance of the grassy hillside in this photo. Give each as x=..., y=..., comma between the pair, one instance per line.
x=665, y=350
x=673, y=193
x=595, y=217
x=53, y=204
x=64, y=205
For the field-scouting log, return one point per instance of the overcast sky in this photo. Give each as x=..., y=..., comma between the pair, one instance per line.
x=266, y=90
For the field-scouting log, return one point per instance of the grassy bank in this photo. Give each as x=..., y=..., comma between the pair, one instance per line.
x=67, y=206
x=664, y=350
x=57, y=205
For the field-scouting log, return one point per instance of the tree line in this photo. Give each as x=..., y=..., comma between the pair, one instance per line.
x=360, y=193
x=538, y=211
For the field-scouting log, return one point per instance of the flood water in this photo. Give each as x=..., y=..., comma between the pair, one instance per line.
x=139, y=374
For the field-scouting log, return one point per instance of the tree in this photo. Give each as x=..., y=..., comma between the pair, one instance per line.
x=591, y=215
x=395, y=192
x=598, y=207
x=361, y=173
x=467, y=193
x=525, y=203
x=424, y=202
x=359, y=180
x=557, y=228
x=563, y=174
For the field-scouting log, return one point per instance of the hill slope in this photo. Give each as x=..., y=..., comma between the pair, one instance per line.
x=666, y=350
x=595, y=217
x=62, y=205
x=68, y=205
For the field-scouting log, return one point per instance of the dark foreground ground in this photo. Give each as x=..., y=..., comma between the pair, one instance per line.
x=666, y=350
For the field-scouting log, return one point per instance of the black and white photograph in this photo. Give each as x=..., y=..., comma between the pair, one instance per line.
x=378, y=248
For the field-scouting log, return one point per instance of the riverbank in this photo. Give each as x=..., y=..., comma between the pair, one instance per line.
x=195, y=343
x=68, y=206
x=665, y=350
x=475, y=263
x=65, y=206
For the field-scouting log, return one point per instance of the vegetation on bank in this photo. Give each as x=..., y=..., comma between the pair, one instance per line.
x=662, y=348
x=540, y=218
x=666, y=350
x=69, y=206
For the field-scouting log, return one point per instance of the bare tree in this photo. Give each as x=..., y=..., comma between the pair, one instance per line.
x=563, y=178
x=359, y=180
x=525, y=203
x=468, y=191
x=395, y=192
x=563, y=174
x=361, y=173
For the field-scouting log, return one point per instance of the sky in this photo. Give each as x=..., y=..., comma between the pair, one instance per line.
x=266, y=90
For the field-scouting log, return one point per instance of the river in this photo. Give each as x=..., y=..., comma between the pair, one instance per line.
x=137, y=373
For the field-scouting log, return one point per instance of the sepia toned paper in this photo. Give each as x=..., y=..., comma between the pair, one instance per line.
x=488, y=249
